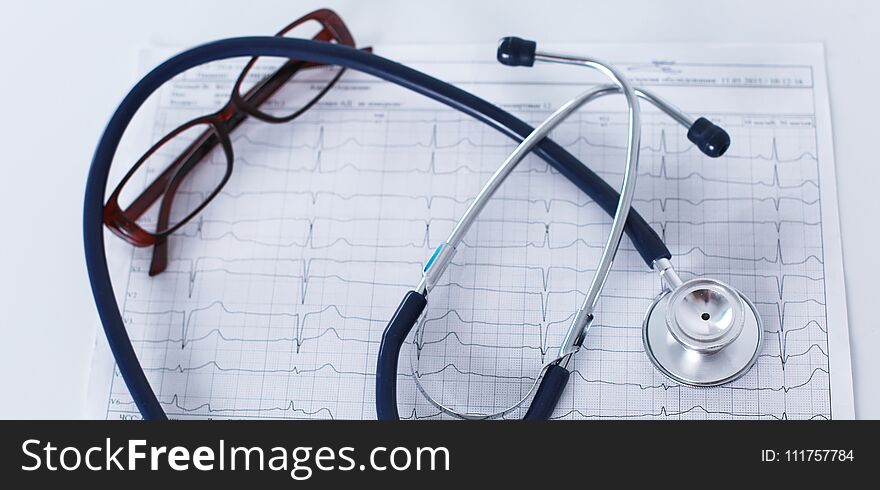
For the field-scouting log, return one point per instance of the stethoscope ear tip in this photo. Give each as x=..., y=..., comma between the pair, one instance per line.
x=515, y=51
x=711, y=139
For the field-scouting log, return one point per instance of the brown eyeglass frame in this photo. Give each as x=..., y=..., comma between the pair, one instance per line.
x=219, y=124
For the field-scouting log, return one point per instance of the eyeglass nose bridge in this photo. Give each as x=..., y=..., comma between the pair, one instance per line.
x=225, y=114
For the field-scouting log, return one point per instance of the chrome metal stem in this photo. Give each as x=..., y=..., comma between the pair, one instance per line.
x=660, y=103
x=470, y=215
x=668, y=274
x=489, y=189
x=584, y=316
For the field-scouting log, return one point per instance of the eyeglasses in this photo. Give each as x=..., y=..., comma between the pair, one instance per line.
x=172, y=182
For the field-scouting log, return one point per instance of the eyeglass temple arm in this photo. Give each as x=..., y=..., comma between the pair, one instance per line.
x=160, y=249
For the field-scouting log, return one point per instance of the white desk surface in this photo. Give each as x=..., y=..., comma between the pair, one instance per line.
x=67, y=64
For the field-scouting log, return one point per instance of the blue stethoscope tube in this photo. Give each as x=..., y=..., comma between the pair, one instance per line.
x=646, y=241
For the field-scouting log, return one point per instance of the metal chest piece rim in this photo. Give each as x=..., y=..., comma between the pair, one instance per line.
x=691, y=346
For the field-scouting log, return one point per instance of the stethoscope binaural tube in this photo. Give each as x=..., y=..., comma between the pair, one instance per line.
x=646, y=241
x=552, y=379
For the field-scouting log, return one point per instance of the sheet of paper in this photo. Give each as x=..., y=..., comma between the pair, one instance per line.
x=275, y=298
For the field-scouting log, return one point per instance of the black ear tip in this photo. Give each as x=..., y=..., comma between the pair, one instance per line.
x=709, y=138
x=514, y=51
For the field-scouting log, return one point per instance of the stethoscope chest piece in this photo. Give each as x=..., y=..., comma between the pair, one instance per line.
x=702, y=333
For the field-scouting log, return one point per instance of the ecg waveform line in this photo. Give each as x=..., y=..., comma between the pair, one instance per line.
x=316, y=197
x=434, y=168
x=433, y=142
x=423, y=239
x=313, y=277
x=302, y=271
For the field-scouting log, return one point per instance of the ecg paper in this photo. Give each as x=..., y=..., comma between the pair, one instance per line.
x=276, y=297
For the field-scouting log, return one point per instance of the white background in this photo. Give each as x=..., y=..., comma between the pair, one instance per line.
x=65, y=66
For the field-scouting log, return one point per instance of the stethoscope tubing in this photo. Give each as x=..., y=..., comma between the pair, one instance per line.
x=644, y=238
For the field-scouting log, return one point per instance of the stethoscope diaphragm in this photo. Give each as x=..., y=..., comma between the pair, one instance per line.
x=702, y=333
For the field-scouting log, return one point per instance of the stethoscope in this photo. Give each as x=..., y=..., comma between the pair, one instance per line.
x=705, y=352
x=700, y=332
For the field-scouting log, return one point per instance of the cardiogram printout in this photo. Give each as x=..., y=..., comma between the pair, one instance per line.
x=275, y=298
